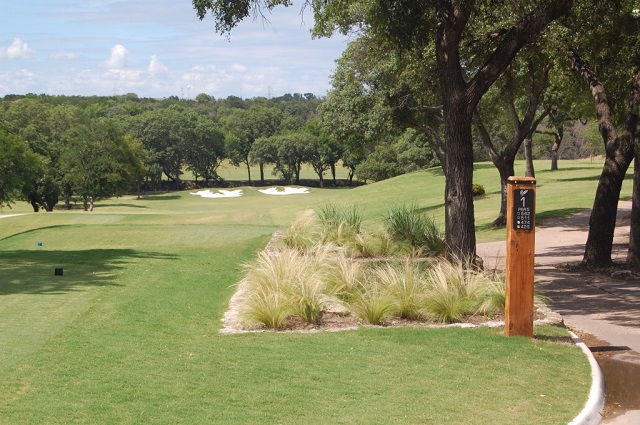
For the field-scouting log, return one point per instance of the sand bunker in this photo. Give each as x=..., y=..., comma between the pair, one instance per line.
x=219, y=194
x=286, y=191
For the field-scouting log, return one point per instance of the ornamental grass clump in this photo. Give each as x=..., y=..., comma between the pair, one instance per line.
x=304, y=232
x=339, y=225
x=372, y=303
x=406, y=285
x=455, y=291
x=413, y=230
x=283, y=285
x=308, y=290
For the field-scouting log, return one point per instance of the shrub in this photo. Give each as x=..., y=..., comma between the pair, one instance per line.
x=477, y=190
x=340, y=226
x=374, y=244
x=345, y=278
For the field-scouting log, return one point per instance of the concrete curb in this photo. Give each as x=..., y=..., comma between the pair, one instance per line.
x=591, y=414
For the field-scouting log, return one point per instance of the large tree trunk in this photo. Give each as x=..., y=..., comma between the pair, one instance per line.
x=506, y=170
x=602, y=222
x=528, y=155
x=557, y=140
x=633, y=256
x=248, y=171
x=460, y=235
x=619, y=154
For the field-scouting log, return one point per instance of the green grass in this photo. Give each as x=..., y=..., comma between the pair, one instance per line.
x=129, y=334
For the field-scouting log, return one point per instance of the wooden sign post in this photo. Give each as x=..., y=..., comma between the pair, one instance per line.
x=521, y=240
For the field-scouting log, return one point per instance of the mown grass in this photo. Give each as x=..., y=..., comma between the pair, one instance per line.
x=129, y=334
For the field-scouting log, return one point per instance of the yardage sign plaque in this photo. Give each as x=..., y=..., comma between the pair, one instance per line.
x=523, y=209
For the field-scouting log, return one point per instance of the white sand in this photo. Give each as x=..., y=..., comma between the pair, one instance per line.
x=219, y=194
x=238, y=193
x=286, y=191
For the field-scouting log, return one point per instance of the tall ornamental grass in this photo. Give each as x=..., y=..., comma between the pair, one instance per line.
x=413, y=229
x=455, y=290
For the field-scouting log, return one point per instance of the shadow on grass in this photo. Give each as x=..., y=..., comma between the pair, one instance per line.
x=55, y=226
x=33, y=272
x=167, y=197
x=556, y=214
x=429, y=208
x=563, y=339
x=581, y=179
x=121, y=205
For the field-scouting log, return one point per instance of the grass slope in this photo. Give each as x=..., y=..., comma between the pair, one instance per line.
x=129, y=333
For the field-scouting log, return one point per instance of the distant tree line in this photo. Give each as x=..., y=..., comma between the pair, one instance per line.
x=63, y=148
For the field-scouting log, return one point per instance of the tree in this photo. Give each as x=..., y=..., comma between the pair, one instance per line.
x=520, y=91
x=243, y=127
x=325, y=151
x=612, y=42
x=293, y=149
x=380, y=164
x=17, y=166
x=101, y=161
x=165, y=133
x=464, y=73
x=205, y=150
x=44, y=127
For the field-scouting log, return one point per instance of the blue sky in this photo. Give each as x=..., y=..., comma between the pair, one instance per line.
x=157, y=48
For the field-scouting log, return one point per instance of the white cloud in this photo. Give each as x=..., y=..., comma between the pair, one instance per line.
x=119, y=57
x=22, y=80
x=238, y=68
x=18, y=50
x=61, y=56
x=156, y=67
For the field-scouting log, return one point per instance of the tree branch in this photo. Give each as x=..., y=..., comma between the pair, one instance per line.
x=603, y=109
x=512, y=42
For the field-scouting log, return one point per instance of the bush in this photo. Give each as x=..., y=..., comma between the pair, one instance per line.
x=477, y=190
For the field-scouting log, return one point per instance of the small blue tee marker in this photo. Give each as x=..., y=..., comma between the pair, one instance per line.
x=39, y=243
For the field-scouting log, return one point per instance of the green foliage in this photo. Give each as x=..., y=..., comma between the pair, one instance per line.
x=477, y=190
x=101, y=161
x=339, y=224
x=18, y=167
x=407, y=225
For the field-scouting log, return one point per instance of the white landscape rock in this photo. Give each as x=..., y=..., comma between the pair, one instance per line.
x=219, y=194
x=286, y=191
